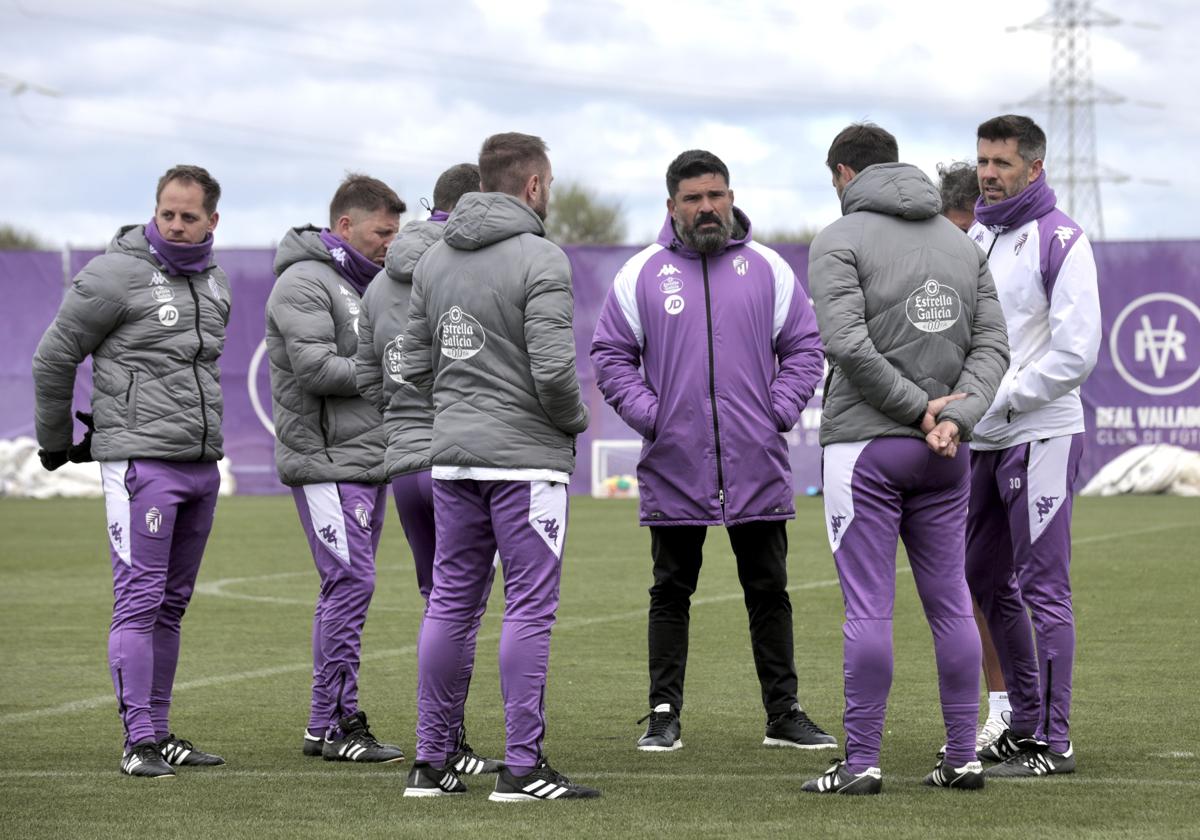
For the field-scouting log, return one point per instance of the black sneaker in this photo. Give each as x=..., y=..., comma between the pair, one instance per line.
x=178, y=751
x=837, y=779
x=358, y=744
x=1005, y=746
x=794, y=728
x=1036, y=760
x=466, y=761
x=313, y=744
x=662, y=734
x=145, y=760
x=426, y=780
x=543, y=782
x=967, y=777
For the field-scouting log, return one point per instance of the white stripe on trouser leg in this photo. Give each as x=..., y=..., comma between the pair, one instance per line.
x=1046, y=482
x=116, y=506
x=548, y=513
x=839, y=462
x=328, y=520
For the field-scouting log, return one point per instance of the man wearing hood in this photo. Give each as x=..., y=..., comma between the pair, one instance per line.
x=329, y=443
x=916, y=346
x=490, y=339
x=729, y=355
x=407, y=413
x=151, y=312
x=1025, y=456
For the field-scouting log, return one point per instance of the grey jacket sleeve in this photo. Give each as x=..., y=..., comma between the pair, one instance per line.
x=841, y=313
x=90, y=311
x=417, y=360
x=368, y=371
x=550, y=342
x=986, y=361
x=302, y=316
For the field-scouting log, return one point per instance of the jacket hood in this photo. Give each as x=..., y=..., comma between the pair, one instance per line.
x=300, y=244
x=131, y=240
x=482, y=219
x=668, y=238
x=896, y=189
x=414, y=239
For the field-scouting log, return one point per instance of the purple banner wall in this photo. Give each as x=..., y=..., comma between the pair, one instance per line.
x=1146, y=387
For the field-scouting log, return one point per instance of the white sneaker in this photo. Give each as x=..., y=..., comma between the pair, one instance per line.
x=992, y=729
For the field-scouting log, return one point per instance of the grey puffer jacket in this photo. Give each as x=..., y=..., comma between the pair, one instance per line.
x=407, y=413
x=324, y=431
x=907, y=311
x=490, y=336
x=154, y=340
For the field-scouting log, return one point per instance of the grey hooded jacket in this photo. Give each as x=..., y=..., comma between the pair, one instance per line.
x=907, y=311
x=154, y=340
x=407, y=413
x=324, y=431
x=490, y=336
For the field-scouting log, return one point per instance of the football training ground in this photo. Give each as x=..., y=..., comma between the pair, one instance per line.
x=242, y=691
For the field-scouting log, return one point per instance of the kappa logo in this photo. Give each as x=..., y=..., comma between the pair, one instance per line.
x=1044, y=506
x=835, y=524
x=741, y=265
x=153, y=520
x=162, y=294
x=330, y=535
x=1063, y=234
x=674, y=304
x=157, y=279
x=345, y=292
x=550, y=526
x=168, y=315
x=979, y=236
x=393, y=358
x=1164, y=326
x=361, y=514
x=115, y=531
x=214, y=287
x=1021, y=240
x=668, y=270
x=339, y=254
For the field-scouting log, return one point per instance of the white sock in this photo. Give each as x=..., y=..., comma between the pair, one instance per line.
x=997, y=704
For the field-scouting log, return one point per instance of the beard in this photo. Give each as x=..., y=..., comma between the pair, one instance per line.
x=542, y=208
x=708, y=240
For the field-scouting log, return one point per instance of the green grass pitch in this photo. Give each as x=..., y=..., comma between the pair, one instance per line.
x=242, y=691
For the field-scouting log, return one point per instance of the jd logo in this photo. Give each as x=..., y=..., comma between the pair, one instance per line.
x=1155, y=343
x=168, y=315
x=673, y=304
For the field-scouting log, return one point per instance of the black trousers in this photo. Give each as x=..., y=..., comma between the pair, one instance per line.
x=761, y=552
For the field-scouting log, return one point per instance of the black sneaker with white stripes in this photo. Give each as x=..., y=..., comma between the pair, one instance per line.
x=1033, y=761
x=1005, y=746
x=356, y=743
x=541, y=783
x=180, y=752
x=313, y=744
x=426, y=780
x=146, y=761
x=837, y=779
x=662, y=733
x=467, y=762
x=794, y=728
x=967, y=777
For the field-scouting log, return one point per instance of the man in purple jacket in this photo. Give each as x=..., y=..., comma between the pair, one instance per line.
x=729, y=355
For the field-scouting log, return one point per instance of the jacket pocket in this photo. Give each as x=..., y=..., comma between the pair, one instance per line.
x=131, y=398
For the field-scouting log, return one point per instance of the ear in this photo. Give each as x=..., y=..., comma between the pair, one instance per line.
x=212, y=221
x=1035, y=169
x=671, y=207
x=533, y=188
x=342, y=226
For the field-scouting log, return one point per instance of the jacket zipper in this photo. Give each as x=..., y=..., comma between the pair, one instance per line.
x=196, y=372
x=712, y=386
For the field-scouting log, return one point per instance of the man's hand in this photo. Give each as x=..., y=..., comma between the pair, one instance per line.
x=935, y=408
x=944, y=438
x=81, y=452
x=52, y=460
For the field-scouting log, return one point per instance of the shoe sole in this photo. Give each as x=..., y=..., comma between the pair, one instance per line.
x=524, y=797
x=431, y=792
x=135, y=776
x=678, y=745
x=783, y=742
x=396, y=760
x=962, y=784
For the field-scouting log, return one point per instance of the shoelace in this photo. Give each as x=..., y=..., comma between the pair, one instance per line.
x=804, y=721
x=364, y=737
x=179, y=743
x=659, y=721
x=835, y=766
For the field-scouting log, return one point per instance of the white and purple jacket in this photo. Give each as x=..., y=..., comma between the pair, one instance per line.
x=1045, y=276
x=729, y=355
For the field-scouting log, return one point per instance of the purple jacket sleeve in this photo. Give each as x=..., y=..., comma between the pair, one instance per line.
x=616, y=356
x=801, y=360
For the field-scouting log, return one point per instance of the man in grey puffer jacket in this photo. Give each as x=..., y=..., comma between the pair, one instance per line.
x=917, y=346
x=408, y=413
x=329, y=443
x=490, y=337
x=151, y=312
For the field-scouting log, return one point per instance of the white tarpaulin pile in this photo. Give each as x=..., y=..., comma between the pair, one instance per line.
x=1160, y=468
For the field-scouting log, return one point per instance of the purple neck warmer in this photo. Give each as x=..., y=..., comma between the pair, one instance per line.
x=355, y=269
x=179, y=258
x=439, y=216
x=1031, y=203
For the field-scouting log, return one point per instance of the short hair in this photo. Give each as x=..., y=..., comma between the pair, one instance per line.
x=860, y=145
x=507, y=161
x=959, y=186
x=692, y=164
x=1031, y=140
x=362, y=192
x=189, y=174
x=453, y=183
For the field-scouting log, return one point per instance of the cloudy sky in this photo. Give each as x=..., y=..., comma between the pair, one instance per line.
x=98, y=98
